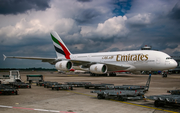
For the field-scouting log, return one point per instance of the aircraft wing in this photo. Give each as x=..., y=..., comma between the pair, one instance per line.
x=117, y=67
x=50, y=60
x=85, y=64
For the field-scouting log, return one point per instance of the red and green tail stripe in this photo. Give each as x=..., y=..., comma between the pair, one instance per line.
x=65, y=51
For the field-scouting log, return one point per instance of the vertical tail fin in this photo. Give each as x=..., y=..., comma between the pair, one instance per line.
x=59, y=46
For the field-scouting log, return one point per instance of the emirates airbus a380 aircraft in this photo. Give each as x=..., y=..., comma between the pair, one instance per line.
x=106, y=62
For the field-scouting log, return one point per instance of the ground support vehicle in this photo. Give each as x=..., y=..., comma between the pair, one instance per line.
x=20, y=84
x=41, y=83
x=98, y=86
x=171, y=99
x=132, y=87
x=34, y=78
x=14, y=76
x=120, y=94
x=78, y=84
x=62, y=86
x=6, y=89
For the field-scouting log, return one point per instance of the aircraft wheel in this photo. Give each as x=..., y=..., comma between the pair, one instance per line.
x=164, y=75
x=86, y=87
x=100, y=96
x=16, y=92
x=121, y=98
x=158, y=103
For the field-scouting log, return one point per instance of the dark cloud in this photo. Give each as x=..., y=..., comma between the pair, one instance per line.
x=27, y=47
x=175, y=13
x=176, y=53
x=114, y=49
x=87, y=16
x=21, y=6
x=84, y=0
x=89, y=46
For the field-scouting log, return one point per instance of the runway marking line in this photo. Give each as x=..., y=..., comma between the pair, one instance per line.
x=128, y=103
x=2, y=106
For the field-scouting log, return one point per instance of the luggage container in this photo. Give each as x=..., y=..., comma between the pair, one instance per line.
x=35, y=78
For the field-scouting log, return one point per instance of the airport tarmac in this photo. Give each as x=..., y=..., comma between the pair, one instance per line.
x=80, y=100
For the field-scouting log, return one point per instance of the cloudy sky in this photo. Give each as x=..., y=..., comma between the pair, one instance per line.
x=86, y=26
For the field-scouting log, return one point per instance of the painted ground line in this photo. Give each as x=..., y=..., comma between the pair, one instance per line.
x=2, y=106
x=128, y=103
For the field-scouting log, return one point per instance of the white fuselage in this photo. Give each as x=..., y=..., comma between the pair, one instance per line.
x=139, y=60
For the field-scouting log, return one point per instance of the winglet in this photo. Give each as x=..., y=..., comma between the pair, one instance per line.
x=4, y=57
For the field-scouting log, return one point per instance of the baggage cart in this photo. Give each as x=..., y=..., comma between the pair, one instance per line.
x=78, y=84
x=6, y=89
x=171, y=99
x=119, y=94
x=62, y=86
x=20, y=84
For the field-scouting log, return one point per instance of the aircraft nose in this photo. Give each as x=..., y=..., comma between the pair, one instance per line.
x=174, y=63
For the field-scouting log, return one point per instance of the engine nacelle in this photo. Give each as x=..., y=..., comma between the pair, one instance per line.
x=64, y=65
x=98, y=68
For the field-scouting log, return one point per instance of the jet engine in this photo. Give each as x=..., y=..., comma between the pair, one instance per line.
x=136, y=72
x=63, y=65
x=98, y=68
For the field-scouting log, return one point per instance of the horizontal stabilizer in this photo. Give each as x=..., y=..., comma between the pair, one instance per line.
x=50, y=60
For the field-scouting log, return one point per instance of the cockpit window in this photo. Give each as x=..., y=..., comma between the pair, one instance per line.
x=168, y=58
